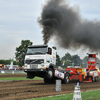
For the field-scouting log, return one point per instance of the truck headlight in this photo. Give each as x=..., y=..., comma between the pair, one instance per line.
x=27, y=66
x=39, y=66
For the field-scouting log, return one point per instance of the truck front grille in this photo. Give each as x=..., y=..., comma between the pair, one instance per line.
x=34, y=61
x=32, y=66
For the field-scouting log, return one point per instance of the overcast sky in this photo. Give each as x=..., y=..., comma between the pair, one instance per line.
x=18, y=21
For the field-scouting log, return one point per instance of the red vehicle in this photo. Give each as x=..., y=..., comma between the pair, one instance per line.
x=89, y=74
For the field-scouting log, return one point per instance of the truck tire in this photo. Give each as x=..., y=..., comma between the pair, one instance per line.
x=30, y=75
x=49, y=81
x=46, y=80
x=50, y=73
x=53, y=80
x=96, y=78
x=66, y=79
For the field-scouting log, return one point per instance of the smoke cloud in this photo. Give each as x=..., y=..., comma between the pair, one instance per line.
x=66, y=24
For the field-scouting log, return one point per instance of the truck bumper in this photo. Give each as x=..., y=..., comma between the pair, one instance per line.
x=35, y=72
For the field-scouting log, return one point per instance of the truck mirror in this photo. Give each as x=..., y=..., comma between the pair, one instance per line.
x=54, y=48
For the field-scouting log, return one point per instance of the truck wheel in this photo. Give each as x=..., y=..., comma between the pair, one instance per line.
x=46, y=80
x=96, y=78
x=49, y=81
x=52, y=81
x=50, y=73
x=66, y=79
x=29, y=75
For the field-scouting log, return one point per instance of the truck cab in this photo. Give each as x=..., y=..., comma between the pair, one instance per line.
x=91, y=61
x=40, y=60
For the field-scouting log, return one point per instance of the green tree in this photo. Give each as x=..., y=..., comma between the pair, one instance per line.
x=20, y=51
x=67, y=59
x=84, y=61
x=76, y=61
x=7, y=62
x=2, y=61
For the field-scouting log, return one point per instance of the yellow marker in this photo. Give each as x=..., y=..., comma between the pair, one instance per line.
x=44, y=67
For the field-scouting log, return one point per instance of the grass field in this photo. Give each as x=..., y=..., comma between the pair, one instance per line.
x=18, y=78
x=90, y=95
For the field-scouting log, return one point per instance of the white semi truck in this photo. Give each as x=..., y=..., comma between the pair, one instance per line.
x=40, y=60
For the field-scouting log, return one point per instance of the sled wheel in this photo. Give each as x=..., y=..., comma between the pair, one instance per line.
x=96, y=78
x=93, y=79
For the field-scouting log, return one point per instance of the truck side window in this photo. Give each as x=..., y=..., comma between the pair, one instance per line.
x=49, y=51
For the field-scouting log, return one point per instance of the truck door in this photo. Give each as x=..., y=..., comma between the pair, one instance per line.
x=49, y=55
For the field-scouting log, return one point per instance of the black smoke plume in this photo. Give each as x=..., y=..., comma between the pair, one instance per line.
x=66, y=24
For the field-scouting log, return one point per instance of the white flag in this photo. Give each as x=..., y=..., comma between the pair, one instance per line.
x=63, y=63
x=11, y=65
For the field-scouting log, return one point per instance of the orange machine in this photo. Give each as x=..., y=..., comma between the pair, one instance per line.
x=88, y=74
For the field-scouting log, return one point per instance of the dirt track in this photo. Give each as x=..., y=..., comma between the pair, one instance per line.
x=18, y=90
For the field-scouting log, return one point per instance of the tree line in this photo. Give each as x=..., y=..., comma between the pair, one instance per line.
x=73, y=60
x=70, y=60
x=66, y=60
x=7, y=62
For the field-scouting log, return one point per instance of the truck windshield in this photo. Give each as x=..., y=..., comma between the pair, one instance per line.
x=37, y=51
x=92, y=59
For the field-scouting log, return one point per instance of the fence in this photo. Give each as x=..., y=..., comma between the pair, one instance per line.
x=12, y=71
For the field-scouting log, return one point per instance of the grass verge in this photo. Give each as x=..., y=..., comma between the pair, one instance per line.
x=18, y=78
x=90, y=95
